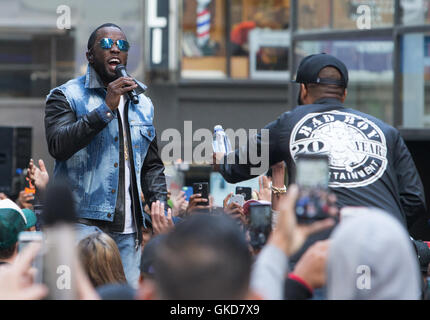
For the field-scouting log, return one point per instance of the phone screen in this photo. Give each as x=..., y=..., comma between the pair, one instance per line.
x=188, y=192
x=312, y=177
x=27, y=237
x=312, y=172
x=238, y=198
x=202, y=188
x=260, y=224
x=245, y=191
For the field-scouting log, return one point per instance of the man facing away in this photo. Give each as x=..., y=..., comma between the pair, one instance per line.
x=370, y=164
x=106, y=148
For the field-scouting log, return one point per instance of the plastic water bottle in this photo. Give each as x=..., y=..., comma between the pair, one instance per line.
x=220, y=141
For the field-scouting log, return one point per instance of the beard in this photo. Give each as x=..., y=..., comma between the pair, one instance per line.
x=105, y=75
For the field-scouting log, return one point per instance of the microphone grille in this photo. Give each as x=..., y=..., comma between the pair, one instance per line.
x=119, y=69
x=59, y=204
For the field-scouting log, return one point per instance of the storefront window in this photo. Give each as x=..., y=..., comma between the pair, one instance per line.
x=369, y=63
x=258, y=39
x=415, y=12
x=415, y=52
x=36, y=55
x=27, y=67
x=345, y=14
x=203, y=41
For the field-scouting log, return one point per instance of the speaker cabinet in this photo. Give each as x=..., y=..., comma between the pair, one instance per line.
x=15, y=153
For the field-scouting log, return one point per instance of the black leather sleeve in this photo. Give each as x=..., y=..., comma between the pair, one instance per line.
x=411, y=190
x=65, y=134
x=234, y=171
x=423, y=254
x=152, y=178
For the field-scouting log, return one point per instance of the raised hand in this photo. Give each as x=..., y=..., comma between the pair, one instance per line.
x=16, y=280
x=24, y=200
x=116, y=89
x=288, y=235
x=234, y=209
x=217, y=158
x=180, y=204
x=160, y=223
x=39, y=176
x=312, y=265
x=265, y=192
x=197, y=203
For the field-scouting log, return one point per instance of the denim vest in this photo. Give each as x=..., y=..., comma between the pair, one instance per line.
x=91, y=172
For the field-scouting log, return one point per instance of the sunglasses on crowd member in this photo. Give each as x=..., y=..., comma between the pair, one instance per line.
x=107, y=43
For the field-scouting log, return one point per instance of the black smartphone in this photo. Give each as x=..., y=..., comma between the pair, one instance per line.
x=245, y=191
x=312, y=177
x=260, y=224
x=202, y=188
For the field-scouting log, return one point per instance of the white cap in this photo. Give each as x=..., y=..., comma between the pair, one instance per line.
x=9, y=204
x=218, y=127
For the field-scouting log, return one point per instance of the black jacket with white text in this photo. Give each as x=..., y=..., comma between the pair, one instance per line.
x=370, y=164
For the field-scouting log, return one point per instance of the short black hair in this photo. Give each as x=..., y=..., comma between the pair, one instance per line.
x=7, y=253
x=205, y=257
x=319, y=91
x=93, y=35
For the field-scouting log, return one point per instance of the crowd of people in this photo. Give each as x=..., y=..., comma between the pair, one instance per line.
x=108, y=228
x=207, y=253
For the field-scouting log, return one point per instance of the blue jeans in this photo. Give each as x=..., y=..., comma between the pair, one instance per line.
x=126, y=244
x=320, y=294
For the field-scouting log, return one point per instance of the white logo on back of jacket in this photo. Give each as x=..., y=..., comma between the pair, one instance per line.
x=356, y=146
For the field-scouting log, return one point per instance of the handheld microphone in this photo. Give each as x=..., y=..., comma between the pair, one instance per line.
x=121, y=72
x=60, y=255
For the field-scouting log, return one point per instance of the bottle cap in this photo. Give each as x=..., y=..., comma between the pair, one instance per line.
x=218, y=128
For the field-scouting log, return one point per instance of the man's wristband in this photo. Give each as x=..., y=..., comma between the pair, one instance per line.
x=298, y=279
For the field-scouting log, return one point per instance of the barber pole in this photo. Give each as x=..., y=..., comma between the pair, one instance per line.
x=203, y=22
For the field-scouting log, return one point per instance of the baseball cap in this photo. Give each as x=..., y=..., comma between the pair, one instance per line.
x=148, y=255
x=311, y=66
x=31, y=218
x=11, y=224
x=9, y=204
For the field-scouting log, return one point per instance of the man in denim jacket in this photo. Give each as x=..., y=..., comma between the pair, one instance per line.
x=105, y=146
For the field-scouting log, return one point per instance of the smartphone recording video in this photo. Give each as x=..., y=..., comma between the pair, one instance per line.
x=238, y=198
x=188, y=192
x=260, y=224
x=27, y=237
x=202, y=188
x=246, y=192
x=312, y=176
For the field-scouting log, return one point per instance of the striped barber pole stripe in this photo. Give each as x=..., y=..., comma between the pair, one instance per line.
x=203, y=26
